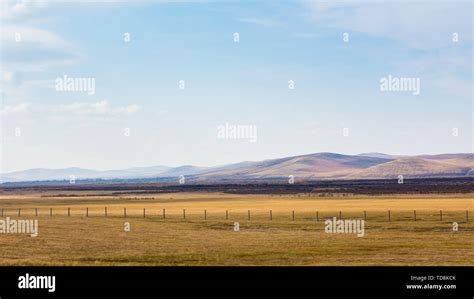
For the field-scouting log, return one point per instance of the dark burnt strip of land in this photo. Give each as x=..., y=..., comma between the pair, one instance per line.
x=367, y=187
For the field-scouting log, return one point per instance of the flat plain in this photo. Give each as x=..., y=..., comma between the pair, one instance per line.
x=198, y=229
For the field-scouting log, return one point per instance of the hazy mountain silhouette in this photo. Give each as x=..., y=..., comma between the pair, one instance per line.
x=306, y=167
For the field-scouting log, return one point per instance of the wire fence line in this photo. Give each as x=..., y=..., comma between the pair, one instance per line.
x=293, y=215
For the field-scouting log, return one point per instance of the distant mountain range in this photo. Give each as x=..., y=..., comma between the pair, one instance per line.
x=319, y=166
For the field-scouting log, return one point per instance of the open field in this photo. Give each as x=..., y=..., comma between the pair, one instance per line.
x=153, y=240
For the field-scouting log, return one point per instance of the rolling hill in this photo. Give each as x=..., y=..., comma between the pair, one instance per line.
x=319, y=166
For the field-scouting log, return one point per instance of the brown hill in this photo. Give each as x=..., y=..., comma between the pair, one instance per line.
x=304, y=167
x=416, y=167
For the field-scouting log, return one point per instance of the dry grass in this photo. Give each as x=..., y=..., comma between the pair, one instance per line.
x=97, y=240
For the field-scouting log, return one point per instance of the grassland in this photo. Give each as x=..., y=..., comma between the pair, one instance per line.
x=153, y=240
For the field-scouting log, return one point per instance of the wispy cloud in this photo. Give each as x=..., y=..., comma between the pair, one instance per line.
x=101, y=108
x=420, y=24
x=14, y=9
x=29, y=49
x=267, y=22
x=14, y=109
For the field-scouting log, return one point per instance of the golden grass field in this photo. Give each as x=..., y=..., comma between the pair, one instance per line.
x=100, y=240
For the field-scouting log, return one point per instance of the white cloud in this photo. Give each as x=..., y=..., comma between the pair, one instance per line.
x=29, y=49
x=10, y=77
x=447, y=70
x=259, y=21
x=12, y=9
x=101, y=108
x=420, y=24
x=43, y=38
x=14, y=109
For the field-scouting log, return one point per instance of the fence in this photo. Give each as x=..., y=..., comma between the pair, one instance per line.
x=389, y=215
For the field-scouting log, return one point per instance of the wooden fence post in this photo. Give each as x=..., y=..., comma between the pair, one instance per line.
x=36, y=212
x=144, y=213
x=124, y=212
x=317, y=215
x=205, y=215
x=440, y=215
x=271, y=215
x=248, y=215
x=87, y=212
x=293, y=215
x=340, y=214
x=414, y=215
x=50, y=211
x=105, y=211
x=226, y=215
x=68, y=212
x=389, y=216
x=164, y=213
x=365, y=215
x=184, y=213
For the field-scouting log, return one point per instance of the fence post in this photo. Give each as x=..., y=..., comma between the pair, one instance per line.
x=271, y=216
x=68, y=212
x=164, y=213
x=248, y=215
x=389, y=216
x=36, y=212
x=440, y=215
x=205, y=214
x=124, y=212
x=317, y=215
x=340, y=214
x=293, y=215
x=144, y=213
x=19, y=212
x=105, y=210
x=87, y=212
x=50, y=211
x=226, y=215
x=414, y=215
x=184, y=213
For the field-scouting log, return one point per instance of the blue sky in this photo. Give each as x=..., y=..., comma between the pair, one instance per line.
x=337, y=83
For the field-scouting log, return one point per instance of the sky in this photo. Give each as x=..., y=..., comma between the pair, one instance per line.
x=168, y=75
